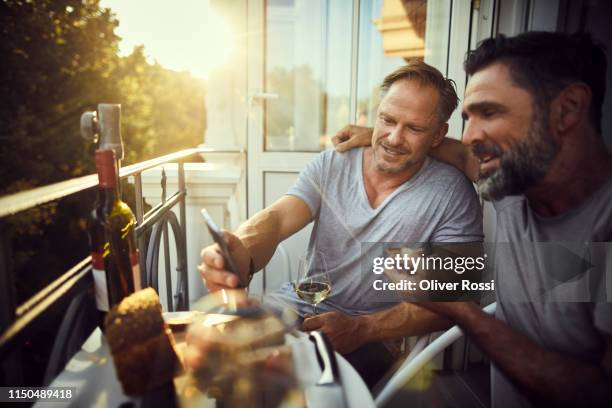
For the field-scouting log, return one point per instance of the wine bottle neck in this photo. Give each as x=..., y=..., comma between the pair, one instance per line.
x=108, y=195
x=107, y=174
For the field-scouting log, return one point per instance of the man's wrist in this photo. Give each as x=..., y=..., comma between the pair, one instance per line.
x=364, y=329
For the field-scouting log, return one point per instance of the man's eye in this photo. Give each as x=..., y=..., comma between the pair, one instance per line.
x=386, y=120
x=488, y=113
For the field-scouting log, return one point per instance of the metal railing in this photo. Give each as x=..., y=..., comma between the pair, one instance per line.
x=18, y=320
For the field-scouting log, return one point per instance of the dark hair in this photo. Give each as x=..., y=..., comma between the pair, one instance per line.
x=543, y=63
x=424, y=74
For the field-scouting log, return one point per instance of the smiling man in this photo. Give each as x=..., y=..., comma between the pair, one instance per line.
x=390, y=192
x=533, y=143
x=507, y=139
x=533, y=120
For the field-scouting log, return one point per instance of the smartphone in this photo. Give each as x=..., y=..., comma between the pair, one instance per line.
x=215, y=232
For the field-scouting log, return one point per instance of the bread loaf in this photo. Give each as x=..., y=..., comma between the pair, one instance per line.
x=141, y=343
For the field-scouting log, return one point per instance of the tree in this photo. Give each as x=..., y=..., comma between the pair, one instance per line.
x=57, y=55
x=163, y=111
x=59, y=59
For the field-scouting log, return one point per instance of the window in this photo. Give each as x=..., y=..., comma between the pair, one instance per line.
x=307, y=73
x=392, y=32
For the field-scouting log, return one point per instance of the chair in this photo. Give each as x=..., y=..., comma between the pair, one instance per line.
x=77, y=324
x=420, y=355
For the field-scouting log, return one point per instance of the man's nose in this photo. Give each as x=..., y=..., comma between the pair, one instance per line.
x=395, y=137
x=472, y=133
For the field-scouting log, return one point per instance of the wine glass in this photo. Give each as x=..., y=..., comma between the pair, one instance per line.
x=313, y=284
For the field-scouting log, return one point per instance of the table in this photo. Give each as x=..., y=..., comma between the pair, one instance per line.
x=92, y=373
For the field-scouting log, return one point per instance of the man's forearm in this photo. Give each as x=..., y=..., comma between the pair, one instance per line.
x=260, y=235
x=404, y=319
x=458, y=155
x=543, y=375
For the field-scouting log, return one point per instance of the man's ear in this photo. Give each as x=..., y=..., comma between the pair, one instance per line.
x=570, y=107
x=439, y=136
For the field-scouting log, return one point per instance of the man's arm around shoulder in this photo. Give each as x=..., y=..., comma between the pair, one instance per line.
x=458, y=155
x=450, y=151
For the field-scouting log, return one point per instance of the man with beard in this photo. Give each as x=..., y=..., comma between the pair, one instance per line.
x=533, y=143
x=361, y=197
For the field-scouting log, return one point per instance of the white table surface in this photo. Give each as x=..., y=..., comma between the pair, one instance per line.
x=92, y=373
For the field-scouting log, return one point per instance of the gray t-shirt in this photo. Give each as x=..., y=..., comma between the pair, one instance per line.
x=575, y=329
x=438, y=204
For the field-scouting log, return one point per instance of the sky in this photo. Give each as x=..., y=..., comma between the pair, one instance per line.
x=183, y=35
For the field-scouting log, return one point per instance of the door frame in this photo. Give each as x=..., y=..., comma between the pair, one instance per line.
x=259, y=161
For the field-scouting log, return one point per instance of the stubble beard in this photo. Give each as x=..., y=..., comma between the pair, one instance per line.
x=523, y=166
x=383, y=167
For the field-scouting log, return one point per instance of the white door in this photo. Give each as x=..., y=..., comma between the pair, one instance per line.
x=314, y=66
x=299, y=84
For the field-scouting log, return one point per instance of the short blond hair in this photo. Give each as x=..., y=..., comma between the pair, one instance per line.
x=425, y=74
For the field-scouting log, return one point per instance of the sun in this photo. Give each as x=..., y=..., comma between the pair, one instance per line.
x=215, y=48
x=183, y=36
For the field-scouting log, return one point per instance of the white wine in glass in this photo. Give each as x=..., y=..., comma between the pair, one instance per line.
x=313, y=292
x=313, y=284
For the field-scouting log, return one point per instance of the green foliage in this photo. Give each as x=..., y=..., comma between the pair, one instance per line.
x=59, y=59
x=55, y=55
x=163, y=111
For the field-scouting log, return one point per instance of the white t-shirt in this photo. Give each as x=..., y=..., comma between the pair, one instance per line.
x=438, y=204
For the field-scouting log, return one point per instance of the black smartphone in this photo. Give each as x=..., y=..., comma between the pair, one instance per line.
x=215, y=232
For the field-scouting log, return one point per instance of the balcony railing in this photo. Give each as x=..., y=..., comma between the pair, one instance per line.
x=17, y=321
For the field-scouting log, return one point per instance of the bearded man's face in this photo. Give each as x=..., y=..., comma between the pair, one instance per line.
x=507, y=132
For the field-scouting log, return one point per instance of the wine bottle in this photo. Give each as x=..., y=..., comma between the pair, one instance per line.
x=119, y=251
x=95, y=229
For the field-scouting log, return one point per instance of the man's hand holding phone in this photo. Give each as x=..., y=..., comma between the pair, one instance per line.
x=225, y=264
x=213, y=266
